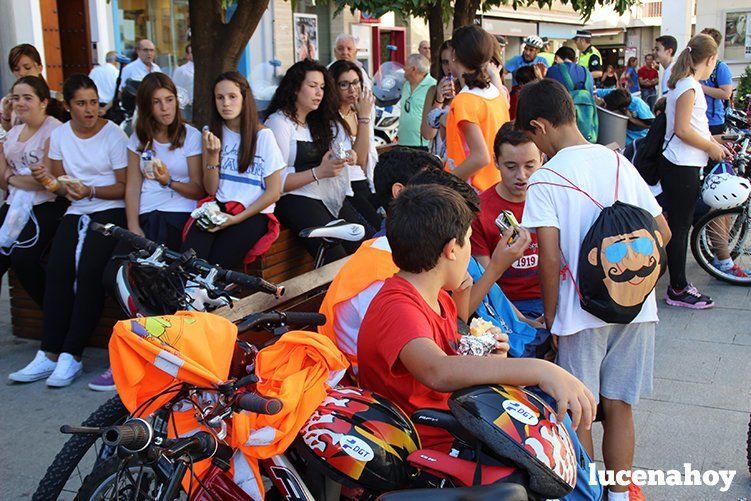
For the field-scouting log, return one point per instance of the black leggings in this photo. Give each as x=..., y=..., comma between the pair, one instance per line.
x=297, y=213
x=361, y=203
x=680, y=186
x=227, y=247
x=27, y=263
x=73, y=298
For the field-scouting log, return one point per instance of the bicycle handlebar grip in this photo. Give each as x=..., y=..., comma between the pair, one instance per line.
x=259, y=404
x=253, y=283
x=136, y=241
x=133, y=436
x=305, y=318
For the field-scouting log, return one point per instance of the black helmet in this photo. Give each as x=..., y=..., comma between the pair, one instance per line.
x=518, y=425
x=146, y=292
x=361, y=440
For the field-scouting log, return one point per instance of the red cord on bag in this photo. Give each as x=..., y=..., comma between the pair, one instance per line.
x=566, y=269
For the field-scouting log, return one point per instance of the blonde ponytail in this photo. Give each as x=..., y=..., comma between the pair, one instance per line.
x=700, y=48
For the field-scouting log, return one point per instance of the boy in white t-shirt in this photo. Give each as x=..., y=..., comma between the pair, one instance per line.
x=615, y=361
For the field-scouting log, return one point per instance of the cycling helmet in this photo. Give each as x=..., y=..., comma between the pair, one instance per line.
x=534, y=41
x=725, y=191
x=517, y=425
x=360, y=439
x=145, y=292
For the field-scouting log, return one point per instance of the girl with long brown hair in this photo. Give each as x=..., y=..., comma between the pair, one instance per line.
x=164, y=165
x=688, y=146
x=242, y=165
x=477, y=111
x=304, y=116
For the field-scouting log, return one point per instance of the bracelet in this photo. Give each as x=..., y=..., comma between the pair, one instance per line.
x=92, y=194
x=169, y=183
x=437, y=101
x=363, y=120
x=212, y=167
x=313, y=171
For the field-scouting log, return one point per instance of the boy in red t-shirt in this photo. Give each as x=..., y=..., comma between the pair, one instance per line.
x=517, y=158
x=407, y=342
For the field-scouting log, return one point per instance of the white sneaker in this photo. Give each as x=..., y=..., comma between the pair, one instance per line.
x=67, y=370
x=39, y=368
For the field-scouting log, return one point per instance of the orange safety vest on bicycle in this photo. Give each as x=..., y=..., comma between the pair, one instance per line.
x=368, y=265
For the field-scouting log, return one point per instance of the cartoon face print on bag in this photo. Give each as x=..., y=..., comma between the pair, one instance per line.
x=630, y=263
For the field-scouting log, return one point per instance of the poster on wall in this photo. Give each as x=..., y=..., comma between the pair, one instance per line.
x=306, y=36
x=737, y=36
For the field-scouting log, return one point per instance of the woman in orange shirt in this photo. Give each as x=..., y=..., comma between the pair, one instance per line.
x=477, y=112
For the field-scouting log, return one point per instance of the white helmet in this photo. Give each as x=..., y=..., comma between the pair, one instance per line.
x=534, y=41
x=725, y=191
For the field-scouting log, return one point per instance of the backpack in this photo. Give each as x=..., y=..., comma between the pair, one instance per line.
x=646, y=153
x=621, y=258
x=584, y=103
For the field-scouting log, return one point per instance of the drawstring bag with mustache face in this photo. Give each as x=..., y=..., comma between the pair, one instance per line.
x=621, y=259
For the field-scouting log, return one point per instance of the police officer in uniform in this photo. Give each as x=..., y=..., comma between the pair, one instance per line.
x=589, y=56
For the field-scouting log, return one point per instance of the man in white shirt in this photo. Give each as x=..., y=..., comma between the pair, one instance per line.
x=105, y=78
x=183, y=75
x=665, y=49
x=143, y=65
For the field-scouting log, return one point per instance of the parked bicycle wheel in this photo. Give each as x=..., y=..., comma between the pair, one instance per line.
x=80, y=455
x=728, y=227
x=118, y=478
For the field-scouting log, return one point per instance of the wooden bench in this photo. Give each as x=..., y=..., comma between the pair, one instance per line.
x=286, y=259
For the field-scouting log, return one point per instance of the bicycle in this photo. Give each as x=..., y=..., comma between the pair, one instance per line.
x=729, y=226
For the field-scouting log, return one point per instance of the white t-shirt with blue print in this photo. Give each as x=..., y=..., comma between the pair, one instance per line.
x=246, y=187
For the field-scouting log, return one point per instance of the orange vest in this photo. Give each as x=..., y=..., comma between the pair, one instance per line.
x=489, y=115
x=365, y=267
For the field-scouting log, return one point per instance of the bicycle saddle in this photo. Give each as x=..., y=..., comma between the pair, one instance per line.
x=338, y=229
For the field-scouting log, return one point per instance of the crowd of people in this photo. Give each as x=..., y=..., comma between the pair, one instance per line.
x=434, y=253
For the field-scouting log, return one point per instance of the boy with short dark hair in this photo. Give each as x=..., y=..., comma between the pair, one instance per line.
x=517, y=158
x=615, y=361
x=408, y=338
x=666, y=47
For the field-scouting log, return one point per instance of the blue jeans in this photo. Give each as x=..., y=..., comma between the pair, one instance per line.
x=530, y=308
x=649, y=96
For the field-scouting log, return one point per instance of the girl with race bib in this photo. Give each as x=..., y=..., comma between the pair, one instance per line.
x=241, y=173
x=30, y=214
x=86, y=163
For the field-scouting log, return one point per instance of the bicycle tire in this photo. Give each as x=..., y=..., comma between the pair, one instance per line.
x=702, y=254
x=109, y=468
x=65, y=462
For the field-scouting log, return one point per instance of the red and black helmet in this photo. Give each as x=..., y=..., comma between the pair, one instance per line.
x=518, y=425
x=361, y=440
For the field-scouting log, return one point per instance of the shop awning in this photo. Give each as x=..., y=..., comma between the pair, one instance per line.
x=509, y=28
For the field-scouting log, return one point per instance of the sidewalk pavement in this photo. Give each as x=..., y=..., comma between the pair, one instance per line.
x=698, y=414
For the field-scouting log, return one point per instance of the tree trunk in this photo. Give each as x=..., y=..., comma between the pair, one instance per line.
x=436, y=30
x=218, y=45
x=465, y=12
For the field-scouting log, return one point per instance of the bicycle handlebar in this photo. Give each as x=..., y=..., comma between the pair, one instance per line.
x=195, y=264
x=259, y=404
x=279, y=318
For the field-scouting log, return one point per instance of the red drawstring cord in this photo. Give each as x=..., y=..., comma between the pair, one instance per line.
x=566, y=269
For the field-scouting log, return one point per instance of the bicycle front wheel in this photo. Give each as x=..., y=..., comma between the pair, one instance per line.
x=80, y=455
x=725, y=231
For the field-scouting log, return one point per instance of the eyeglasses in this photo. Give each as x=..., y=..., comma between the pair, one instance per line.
x=344, y=85
x=617, y=251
